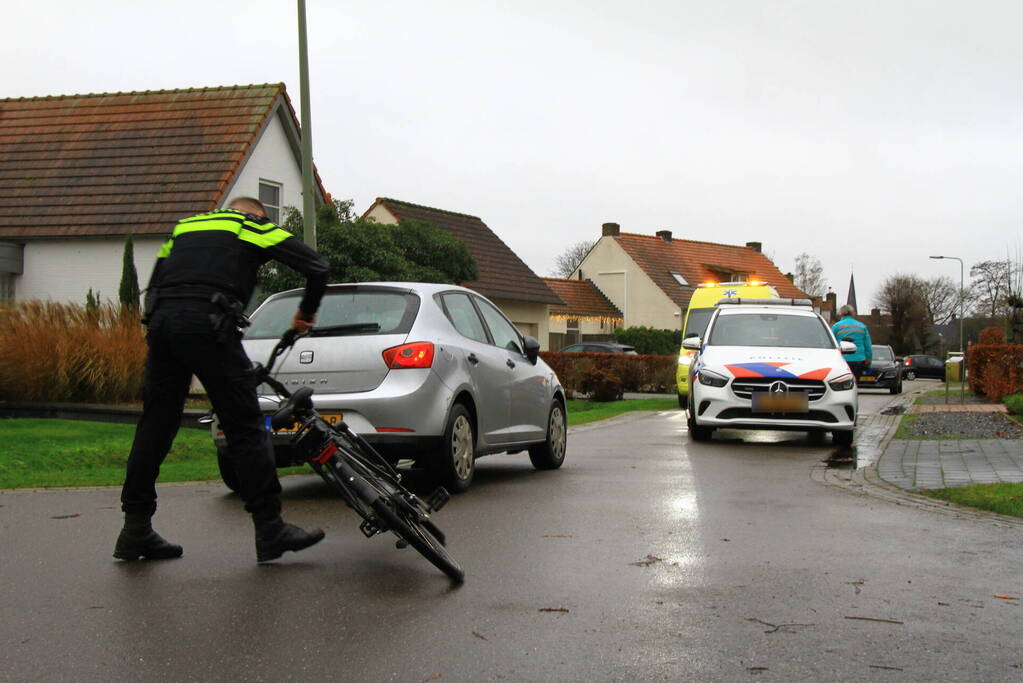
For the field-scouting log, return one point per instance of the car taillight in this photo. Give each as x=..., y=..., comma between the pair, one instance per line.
x=909, y=361
x=414, y=355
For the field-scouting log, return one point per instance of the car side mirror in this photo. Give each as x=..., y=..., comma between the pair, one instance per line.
x=847, y=347
x=692, y=343
x=532, y=348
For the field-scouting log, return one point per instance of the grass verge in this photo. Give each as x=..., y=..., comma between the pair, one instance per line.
x=581, y=412
x=42, y=453
x=45, y=453
x=1006, y=499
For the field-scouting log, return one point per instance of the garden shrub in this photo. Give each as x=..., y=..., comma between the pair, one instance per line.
x=67, y=352
x=649, y=340
x=992, y=335
x=632, y=372
x=1014, y=402
x=995, y=370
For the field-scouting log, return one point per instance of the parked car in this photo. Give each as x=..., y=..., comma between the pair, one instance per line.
x=770, y=364
x=599, y=347
x=885, y=372
x=919, y=365
x=429, y=372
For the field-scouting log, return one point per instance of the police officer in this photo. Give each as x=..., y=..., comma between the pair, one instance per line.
x=203, y=278
x=849, y=328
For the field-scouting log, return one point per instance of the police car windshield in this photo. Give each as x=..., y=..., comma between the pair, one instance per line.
x=351, y=311
x=770, y=329
x=696, y=325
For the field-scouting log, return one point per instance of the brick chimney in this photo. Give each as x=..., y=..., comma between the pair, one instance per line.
x=755, y=246
x=610, y=229
x=664, y=235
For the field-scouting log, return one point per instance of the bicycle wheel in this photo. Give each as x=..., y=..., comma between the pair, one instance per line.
x=419, y=536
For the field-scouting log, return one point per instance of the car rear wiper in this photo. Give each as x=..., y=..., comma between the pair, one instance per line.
x=337, y=330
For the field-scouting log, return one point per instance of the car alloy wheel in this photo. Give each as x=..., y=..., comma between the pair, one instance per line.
x=550, y=454
x=456, y=461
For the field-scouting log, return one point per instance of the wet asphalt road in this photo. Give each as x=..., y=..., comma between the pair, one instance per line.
x=645, y=558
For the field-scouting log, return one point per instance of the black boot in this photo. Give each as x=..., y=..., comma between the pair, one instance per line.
x=274, y=536
x=137, y=539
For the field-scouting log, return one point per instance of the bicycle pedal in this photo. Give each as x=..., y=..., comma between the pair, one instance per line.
x=369, y=528
x=401, y=544
x=438, y=499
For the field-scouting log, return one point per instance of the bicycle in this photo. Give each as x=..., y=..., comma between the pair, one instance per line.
x=365, y=480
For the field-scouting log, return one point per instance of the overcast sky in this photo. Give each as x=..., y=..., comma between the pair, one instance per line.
x=868, y=134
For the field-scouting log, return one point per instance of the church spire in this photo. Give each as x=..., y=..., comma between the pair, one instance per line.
x=851, y=299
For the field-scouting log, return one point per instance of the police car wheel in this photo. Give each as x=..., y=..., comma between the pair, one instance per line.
x=227, y=472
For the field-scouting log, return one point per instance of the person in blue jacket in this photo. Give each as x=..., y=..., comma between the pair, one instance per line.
x=849, y=328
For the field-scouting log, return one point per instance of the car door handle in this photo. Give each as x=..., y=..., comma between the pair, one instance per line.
x=510, y=363
x=472, y=358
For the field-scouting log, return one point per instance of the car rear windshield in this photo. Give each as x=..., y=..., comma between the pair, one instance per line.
x=881, y=353
x=360, y=310
x=770, y=329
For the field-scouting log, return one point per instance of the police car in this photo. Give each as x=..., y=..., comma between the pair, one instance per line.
x=770, y=364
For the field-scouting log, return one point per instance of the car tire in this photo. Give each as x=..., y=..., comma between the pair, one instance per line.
x=910, y=375
x=844, y=439
x=896, y=388
x=683, y=401
x=550, y=454
x=454, y=464
x=697, y=432
x=227, y=471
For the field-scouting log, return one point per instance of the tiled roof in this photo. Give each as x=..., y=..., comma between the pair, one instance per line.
x=582, y=299
x=503, y=275
x=695, y=260
x=107, y=164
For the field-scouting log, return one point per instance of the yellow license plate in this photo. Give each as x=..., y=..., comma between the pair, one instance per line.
x=331, y=418
x=868, y=378
x=765, y=402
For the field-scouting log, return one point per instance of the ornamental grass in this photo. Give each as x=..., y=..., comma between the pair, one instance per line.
x=61, y=352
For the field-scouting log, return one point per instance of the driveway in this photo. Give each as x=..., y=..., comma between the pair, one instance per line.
x=645, y=557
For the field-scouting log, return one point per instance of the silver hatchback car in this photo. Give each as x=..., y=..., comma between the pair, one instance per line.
x=429, y=372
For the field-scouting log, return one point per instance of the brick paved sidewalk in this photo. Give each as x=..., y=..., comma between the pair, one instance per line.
x=941, y=464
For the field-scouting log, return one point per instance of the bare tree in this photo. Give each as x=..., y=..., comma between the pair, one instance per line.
x=941, y=297
x=903, y=298
x=992, y=284
x=809, y=275
x=566, y=263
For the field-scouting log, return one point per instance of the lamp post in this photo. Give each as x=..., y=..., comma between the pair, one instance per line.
x=962, y=340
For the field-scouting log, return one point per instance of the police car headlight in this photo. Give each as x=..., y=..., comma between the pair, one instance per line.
x=712, y=379
x=843, y=382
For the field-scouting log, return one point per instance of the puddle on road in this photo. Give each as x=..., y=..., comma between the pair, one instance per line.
x=843, y=458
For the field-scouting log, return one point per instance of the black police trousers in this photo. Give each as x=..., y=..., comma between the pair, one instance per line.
x=182, y=342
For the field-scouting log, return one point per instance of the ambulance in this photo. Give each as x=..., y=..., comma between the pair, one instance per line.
x=701, y=305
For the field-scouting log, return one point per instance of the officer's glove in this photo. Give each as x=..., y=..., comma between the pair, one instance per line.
x=302, y=322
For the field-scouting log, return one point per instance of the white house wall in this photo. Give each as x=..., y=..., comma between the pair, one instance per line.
x=65, y=270
x=628, y=287
x=273, y=160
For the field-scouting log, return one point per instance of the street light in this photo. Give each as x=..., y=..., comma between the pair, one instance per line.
x=962, y=342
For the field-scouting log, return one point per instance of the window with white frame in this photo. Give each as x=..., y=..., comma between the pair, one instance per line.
x=270, y=195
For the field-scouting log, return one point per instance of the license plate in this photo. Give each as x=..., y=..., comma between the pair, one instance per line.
x=331, y=418
x=868, y=378
x=766, y=402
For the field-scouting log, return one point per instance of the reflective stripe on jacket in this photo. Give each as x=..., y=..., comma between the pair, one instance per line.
x=224, y=249
x=851, y=329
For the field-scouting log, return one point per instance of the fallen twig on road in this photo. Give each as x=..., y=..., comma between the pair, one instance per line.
x=883, y=621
